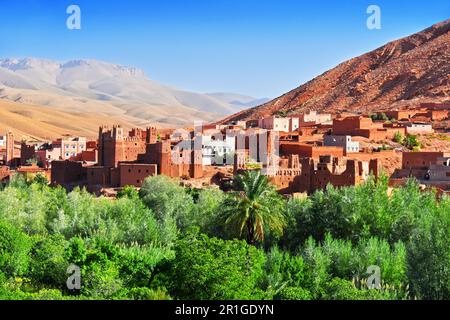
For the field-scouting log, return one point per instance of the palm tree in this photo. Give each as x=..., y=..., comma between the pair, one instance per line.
x=255, y=205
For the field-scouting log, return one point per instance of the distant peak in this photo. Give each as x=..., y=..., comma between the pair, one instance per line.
x=24, y=63
x=15, y=64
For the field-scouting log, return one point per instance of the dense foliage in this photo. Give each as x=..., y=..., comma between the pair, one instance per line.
x=167, y=242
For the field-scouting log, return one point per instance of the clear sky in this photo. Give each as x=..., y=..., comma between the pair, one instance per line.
x=261, y=48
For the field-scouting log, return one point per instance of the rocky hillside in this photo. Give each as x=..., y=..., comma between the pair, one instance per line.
x=406, y=71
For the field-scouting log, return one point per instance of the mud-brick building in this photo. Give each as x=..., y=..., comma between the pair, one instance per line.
x=127, y=159
x=304, y=150
x=364, y=127
x=430, y=168
x=296, y=174
x=317, y=175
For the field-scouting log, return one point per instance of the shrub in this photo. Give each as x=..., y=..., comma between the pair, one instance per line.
x=428, y=254
x=211, y=268
x=15, y=247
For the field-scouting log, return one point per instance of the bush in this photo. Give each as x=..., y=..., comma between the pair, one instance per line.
x=398, y=137
x=211, y=268
x=411, y=142
x=428, y=255
x=48, y=261
x=167, y=200
x=340, y=289
x=15, y=247
x=294, y=293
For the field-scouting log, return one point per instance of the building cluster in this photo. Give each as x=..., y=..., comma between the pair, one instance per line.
x=300, y=153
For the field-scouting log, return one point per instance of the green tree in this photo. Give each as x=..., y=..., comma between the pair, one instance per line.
x=211, y=268
x=167, y=200
x=254, y=207
x=14, y=250
x=48, y=261
x=411, y=142
x=207, y=210
x=284, y=276
x=429, y=254
x=128, y=192
x=398, y=137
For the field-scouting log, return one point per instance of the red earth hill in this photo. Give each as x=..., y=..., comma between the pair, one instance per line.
x=403, y=72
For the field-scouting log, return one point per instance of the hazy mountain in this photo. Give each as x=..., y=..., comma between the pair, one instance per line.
x=238, y=100
x=94, y=86
x=406, y=71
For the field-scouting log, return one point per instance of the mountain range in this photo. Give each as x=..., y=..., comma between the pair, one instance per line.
x=91, y=86
x=403, y=72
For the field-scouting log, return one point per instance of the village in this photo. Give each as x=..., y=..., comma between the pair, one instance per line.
x=299, y=153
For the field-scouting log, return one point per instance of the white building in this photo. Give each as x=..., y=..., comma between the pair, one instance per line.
x=70, y=147
x=215, y=150
x=279, y=124
x=314, y=117
x=419, y=128
x=341, y=141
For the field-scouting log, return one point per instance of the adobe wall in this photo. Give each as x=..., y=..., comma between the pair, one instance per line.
x=65, y=172
x=346, y=126
x=419, y=160
x=134, y=174
x=9, y=148
x=379, y=134
x=114, y=146
x=27, y=152
x=437, y=115
x=161, y=154
x=98, y=175
x=309, y=151
x=89, y=156
x=401, y=114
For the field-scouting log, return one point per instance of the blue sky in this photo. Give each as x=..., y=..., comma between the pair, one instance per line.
x=256, y=47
